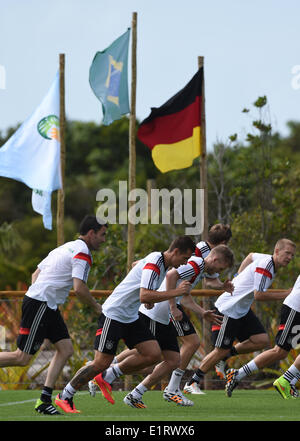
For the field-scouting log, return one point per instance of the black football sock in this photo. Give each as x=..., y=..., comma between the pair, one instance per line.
x=46, y=395
x=197, y=377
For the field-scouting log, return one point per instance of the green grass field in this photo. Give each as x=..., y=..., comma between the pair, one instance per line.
x=244, y=405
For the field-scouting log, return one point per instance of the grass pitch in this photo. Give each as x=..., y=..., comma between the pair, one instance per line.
x=244, y=405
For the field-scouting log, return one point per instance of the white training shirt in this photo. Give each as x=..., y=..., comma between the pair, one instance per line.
x=293, y=299
x=193, y=272
x=54, y=282
x=124, y=302
x=258, y=276
x=202, y=250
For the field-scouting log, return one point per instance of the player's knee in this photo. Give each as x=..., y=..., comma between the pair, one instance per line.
x=65, y=349
x=69, y=352
x=22, y=359
x=194, y=342
x=265, y=341
x=279, y=353
x=154, y=357
x=262, y=341
x=101, y=362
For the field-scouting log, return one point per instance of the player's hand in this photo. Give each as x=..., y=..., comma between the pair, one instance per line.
x=184, y=288
x=149, y=305
x=176, y=314
x=210, y=316
x=228, y=286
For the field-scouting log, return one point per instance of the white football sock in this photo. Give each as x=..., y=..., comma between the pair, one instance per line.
x=175, y=380
x=112, y=373
x=139, y=391
x=246, y=370
x=292, y=373
x=68, y=392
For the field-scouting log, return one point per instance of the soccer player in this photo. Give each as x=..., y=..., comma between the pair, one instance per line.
x=158, y=320
x=218, y=234
x=64, y=267
x=120, y=319
x=286, y=338
x=239, y=321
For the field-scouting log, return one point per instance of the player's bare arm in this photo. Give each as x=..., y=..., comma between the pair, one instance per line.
x=35, y=275
x=151, y=296
x=171, y=282
x=84, y=295
x=274, y=295
x=218, y=284
x=176, y=313
x=209, y=315
x=246, y=262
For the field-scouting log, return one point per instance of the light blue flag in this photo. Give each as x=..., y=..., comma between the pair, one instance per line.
x=41, y=203
x=109, y=79
x=32, y=153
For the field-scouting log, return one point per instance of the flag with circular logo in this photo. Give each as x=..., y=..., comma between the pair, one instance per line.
x=32, y=153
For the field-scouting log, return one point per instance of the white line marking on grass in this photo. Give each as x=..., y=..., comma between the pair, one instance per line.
x=17, y=402
x=32, y=400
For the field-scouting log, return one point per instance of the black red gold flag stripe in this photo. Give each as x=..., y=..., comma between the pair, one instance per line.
x=172, y=131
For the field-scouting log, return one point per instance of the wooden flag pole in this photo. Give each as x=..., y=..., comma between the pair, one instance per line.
x=62, y=125
x=203, y=185
x=132, y=160
x=203, y=165
x=132, y=143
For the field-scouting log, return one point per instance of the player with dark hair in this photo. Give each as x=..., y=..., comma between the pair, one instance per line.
x=65, y=267
x=120, y=320
x=218, y=234
x=158, y=320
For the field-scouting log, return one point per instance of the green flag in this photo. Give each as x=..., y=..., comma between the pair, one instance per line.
x=109, y=79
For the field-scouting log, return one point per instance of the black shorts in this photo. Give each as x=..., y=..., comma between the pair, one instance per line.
x=288, y=335
x=184, y=326
x=110, y=332
x=164, y=334
x=236, y=329
x=39, y=322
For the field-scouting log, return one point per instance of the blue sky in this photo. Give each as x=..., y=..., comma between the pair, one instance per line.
x=250, y=48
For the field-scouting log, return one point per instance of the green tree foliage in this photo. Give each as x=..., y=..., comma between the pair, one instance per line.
x=253, y=184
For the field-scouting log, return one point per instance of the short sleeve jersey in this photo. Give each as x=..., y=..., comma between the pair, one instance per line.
x=293, y=299
x=258, y=276
x=57, y=270
x=124, y=302
x=192, y=272
x=202, y=250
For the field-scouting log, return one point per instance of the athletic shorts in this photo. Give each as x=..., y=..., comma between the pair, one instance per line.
x=288, y=335
x=110, y=332
x=164, y=334
x=39, y=322
x=184, y=326
x=235, y=329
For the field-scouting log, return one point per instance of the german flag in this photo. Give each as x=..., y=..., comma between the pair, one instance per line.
x=172, y=131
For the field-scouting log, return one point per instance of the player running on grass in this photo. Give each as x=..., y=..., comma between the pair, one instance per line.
x=120, y=319
x=239, y=321
x=286, y=339
x=65, y=267
x=218, y=234
x=189, y=339
x=158, y=320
